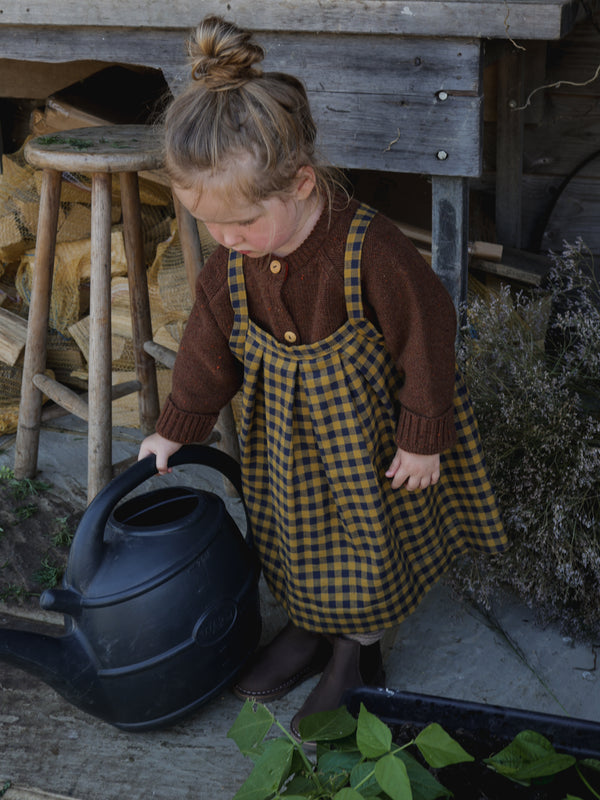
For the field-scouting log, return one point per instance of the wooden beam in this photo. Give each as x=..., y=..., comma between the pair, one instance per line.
x=450, y=225
x=527, y=19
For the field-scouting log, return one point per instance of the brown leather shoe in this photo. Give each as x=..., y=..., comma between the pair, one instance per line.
x=292, y=657
x=350, y=666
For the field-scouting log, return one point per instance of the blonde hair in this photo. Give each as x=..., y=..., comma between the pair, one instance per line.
x=232, y=108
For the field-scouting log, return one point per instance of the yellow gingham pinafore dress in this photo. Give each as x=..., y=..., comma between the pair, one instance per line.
x=341, y=551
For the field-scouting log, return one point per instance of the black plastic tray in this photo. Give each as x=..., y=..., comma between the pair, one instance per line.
x=579, y=737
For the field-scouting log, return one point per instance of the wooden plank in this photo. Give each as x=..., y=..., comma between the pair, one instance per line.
x=527, y=19
x=363, y=114
x=339, y=63
x=416, y=135
x=36, y=80
x=395, y=65
x=13, y=334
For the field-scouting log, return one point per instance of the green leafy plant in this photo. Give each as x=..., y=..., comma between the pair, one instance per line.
x=357, y=758
x=531, y=757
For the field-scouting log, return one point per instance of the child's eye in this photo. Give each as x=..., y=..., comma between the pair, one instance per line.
x=247, y=222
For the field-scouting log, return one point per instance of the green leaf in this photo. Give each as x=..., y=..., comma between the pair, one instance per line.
x=327, y=725
x=393, y=778
x=348, y=794
x=373, y=736
x=334, y=762
x=362, y=778
x=530, y=755
x=592, y=763
x=299, y=786
x=424, y=786
x=439, y=749
x=251, y=726
x=269, y=771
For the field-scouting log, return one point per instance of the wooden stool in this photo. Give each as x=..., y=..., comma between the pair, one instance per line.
x=99, y=151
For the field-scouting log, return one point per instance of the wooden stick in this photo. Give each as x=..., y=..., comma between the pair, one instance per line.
x=65, y=397
x=141, y=326
x=30, y=407
x=117, y=391
x=162, y=354
x=486, y=250
x=100, y=360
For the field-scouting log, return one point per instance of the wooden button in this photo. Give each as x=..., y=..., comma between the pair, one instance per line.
x=290, y=337
x=275, y=267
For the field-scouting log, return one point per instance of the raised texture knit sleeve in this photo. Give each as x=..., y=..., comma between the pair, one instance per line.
x=206, y=374
x=417, y=318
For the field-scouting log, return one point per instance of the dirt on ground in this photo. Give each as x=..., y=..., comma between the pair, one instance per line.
x=36, y=529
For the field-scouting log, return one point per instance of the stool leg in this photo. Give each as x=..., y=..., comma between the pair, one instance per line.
x=100, y=356
x=190, y=243
x=30, y=407
x=141, y=322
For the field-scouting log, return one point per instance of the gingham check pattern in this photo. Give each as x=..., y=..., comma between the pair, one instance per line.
x=341, y=551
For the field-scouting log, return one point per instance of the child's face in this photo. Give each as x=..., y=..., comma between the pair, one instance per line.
x=276, y=225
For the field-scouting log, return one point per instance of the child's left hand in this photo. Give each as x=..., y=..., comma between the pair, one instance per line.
x=414, y=471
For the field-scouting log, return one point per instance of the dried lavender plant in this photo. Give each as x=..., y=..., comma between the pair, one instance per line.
x=532, y=362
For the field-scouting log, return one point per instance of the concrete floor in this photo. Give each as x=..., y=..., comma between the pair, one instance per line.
x=51, y=749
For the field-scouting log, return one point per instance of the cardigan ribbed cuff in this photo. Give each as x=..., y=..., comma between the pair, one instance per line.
x=423, y=435
x=182, y=426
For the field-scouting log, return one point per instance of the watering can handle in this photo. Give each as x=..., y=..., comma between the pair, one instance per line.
x=89, y=539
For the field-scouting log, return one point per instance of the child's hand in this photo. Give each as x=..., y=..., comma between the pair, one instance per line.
x=162, y=448
x=413, y=470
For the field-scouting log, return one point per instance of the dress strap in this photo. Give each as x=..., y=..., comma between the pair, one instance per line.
x=354, y=243
x=237, y=285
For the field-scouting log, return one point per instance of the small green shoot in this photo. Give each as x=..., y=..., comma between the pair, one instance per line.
x=62, y=535
x=24, y=487
x=25, y=512
x=49, y=574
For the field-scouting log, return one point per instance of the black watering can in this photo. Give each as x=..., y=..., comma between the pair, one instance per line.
x=160, y=598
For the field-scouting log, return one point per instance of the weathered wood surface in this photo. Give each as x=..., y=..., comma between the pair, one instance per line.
x=126, y=148
x=561, y=144
x=403, y=105
x=527, y=19
x=13, y=333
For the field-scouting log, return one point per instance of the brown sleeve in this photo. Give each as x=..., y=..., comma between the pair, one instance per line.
x=417, y=318
x=206, y=374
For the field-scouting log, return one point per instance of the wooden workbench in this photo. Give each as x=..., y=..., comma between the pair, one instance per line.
x=395, y=85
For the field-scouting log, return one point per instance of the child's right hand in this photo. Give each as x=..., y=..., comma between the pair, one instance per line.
x=162, y=448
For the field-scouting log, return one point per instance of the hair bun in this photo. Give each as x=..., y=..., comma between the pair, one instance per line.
x=222, y=55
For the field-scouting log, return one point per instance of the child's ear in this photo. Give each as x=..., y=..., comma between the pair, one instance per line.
x=305, y=182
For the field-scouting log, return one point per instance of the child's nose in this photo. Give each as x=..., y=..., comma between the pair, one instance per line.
x=231, y=237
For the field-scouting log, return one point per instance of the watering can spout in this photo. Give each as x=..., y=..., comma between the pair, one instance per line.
x=59, y=661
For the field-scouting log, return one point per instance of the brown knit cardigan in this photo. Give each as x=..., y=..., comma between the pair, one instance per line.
x=402, y=296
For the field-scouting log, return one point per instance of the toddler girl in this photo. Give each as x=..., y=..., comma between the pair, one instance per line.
x=361, y=462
